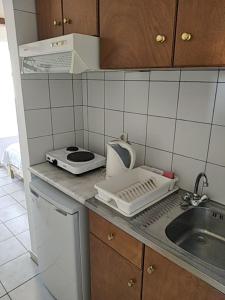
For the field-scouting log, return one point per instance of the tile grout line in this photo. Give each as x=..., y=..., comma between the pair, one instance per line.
x=50, y=103
x=211, y=124
x=87, y=92
x=175, y=128
x=14, y=259
x=49, y=107
x=74, y=120
x=211, y=127
x=23, y=283
x=124, y=104
x=162, y=150
x=104, y=150
x=158, y=116
x=146, y=125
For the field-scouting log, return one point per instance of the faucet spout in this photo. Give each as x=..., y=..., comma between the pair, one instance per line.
x=199, y=177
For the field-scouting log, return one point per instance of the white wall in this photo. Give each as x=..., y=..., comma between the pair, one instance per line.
x=1, y=10
x=15, y=34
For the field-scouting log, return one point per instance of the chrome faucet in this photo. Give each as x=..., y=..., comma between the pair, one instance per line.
x=196, y=199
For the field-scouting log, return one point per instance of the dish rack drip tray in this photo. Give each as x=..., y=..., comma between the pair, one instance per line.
x=134, y=190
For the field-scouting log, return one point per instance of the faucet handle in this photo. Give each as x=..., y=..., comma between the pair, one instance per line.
x=187, y=197
x=186, y=200
x=204, y=198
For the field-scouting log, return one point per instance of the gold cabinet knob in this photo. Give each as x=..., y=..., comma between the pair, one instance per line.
x=67, y=21
x=131, y=283
x=111, y=236
x=57, y=23
x=150, y=269
x=186, y=36
x=160, y=38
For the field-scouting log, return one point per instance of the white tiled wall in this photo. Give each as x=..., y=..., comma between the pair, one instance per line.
x=175, y=120
x=53, y=111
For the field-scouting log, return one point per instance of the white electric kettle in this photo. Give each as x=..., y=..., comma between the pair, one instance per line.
x=120, y=157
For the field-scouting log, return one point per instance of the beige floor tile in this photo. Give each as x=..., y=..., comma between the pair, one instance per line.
x=4, y=233
x=24, y=238
x=6, y=201
x=18, y=225
x=2, y=291
x=32, y=290
x=11, y=212
x=19, y=196
x=17, y=272
x=10, y=249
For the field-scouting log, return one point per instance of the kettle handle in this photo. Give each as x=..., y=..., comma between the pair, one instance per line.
x=132, y=153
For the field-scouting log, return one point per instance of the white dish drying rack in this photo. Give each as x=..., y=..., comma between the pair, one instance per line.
x=138, y=189
x=135, y=190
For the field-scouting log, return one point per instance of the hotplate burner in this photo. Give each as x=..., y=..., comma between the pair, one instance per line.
x=80, y=156
x=72, y=148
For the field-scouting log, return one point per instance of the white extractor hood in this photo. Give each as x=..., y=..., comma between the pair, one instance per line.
x=72, y=53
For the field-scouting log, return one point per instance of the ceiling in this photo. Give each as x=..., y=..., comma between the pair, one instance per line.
x=1, y=9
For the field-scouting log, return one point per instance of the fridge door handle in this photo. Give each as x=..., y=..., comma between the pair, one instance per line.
x=61, y=212
x=34, y=193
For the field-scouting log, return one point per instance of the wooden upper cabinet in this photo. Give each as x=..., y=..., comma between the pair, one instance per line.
x=81, y=16
x=58, y=17
x=165, y=280
x=129, y=29
x=49, y=18
x=204, y=22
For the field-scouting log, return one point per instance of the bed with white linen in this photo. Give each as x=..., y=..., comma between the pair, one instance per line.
x=12, y=160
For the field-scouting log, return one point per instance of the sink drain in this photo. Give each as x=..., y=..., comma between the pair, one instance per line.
x=201, y=239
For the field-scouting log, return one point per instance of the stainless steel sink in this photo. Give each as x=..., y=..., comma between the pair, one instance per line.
x=201, y=232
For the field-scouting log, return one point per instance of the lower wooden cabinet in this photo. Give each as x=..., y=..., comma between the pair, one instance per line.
x=164, y=280
x=126, y=245
x=112, y=276
x=115, y=276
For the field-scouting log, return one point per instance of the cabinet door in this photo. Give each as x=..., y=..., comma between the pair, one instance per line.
x=204, y=22
x=123, y=243
x=129, y=30
x=49, y=18
x=112, y=276
x=165, y=280
x=80, y=16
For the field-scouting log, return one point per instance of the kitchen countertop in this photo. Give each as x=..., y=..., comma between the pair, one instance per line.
x=81, y=188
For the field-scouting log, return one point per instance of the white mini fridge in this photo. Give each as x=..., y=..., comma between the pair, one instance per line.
x=61, y=233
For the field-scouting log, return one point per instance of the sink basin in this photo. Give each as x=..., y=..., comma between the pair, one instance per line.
x=201, y=232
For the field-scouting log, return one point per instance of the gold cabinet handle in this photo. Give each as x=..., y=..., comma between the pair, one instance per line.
x=111, y=236
x=186, y=36
x=160, y=38
x=131, y=283
x=57, y=23
x=67, y=21
x=150, y=269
